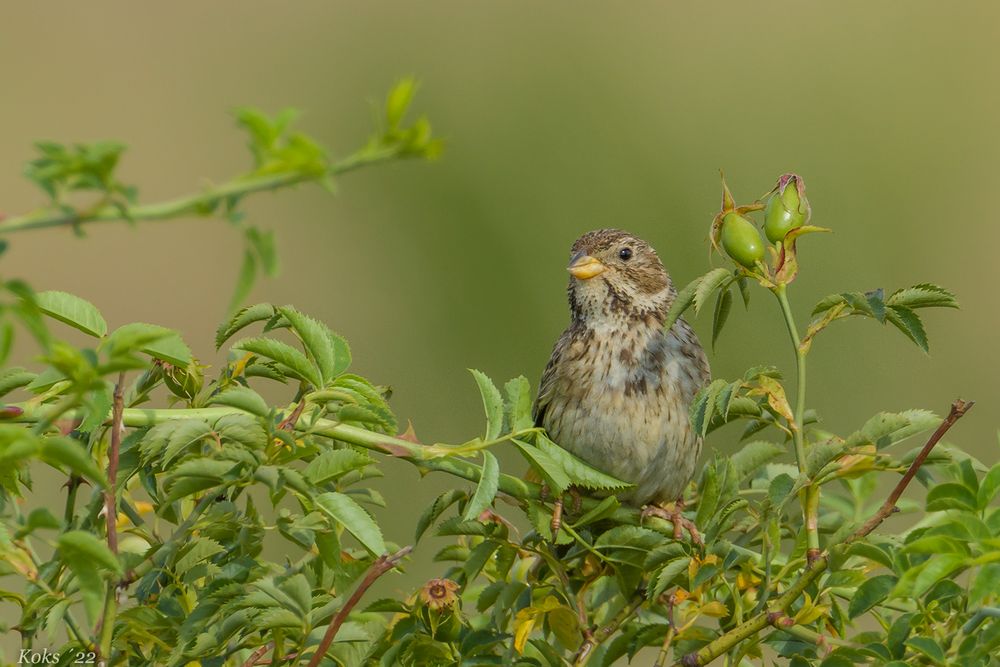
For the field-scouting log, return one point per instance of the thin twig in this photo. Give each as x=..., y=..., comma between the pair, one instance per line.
x=382, y=564
x=661, y=659
x=605, y=631
x=754, y=625
x=958, y=408
x=257, y=655
x=110, y=504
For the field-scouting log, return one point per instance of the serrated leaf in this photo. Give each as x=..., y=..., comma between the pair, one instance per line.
x=486, y=490
x=909, y=323
x=77, y=545
x=518, y=403
x=343, y=509
x=723, y=305
x=935, y=569
x=681, y=302
x=169, y=439
x=15, y=378
x=291, y=360
x=333, y=463
x=550, y=469
x=666, y=576
x=156, y=341
x=924, y=295
x=200, y=549
x=870, y=593
x=315, y=337
x=988, y=487
x=72, y=310
x=749, y=458
x=242, y=319
x=578, y=472
x=492, y=404
x=60, y=450
x=242, y=398
x=888, y=428
x=710, y=282
x=431, y=514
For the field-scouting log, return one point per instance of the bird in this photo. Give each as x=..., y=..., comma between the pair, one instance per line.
x=617, y=387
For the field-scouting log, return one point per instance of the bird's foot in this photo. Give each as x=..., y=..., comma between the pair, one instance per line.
x=676, y=517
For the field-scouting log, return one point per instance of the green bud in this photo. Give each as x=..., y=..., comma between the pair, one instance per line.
x=741, y=240
x=787, y=208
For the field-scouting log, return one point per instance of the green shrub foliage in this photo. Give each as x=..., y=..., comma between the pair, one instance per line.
x=197, y=472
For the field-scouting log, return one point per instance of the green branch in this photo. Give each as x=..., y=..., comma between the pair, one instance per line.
x=199, y=204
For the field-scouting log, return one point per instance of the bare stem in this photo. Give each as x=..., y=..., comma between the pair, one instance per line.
x=810, y=495
x=603, y=633
x=383, y=564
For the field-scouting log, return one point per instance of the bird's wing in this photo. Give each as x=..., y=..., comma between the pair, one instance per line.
x=546, y=386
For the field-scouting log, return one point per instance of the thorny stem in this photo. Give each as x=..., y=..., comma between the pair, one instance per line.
x=810, y=495
x=814, y=569
x=107, y=621
x=383, y=564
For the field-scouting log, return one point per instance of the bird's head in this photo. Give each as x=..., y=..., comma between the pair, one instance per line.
x=614, y=277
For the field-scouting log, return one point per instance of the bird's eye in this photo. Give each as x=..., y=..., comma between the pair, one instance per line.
x=625, y=254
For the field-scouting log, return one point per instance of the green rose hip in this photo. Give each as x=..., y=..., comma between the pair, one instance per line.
x=741, y=241
x=787, y=208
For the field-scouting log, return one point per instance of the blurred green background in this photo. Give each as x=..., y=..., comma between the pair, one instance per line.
x=560, y=117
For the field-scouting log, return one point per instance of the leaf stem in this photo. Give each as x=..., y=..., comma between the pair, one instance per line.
x=810, y=495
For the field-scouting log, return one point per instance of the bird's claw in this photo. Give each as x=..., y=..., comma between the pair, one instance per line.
x=557, y=508
x=676, y=517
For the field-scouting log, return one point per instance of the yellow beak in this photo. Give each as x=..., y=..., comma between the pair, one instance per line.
x=585, y=267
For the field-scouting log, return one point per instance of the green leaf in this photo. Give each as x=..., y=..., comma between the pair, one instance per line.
x=927, y=647
x=909, y=323
x=343, y=509
x=98, y=408
x=934, y=570
x=711, y=281
x=169, y=439
x=888, y=428
x=579, y=473
x=242, y=319
x=196, y=551
x=681, y=302
x=158, y=342
x=72, y=310
x=722, y=307
x=665, y=578
x=492, y=404
x=333, y=463
x=924, y=295
x=518, y=404
x=15, y=378
x=291, y=360
x=986, y=585
x=753, y=455
x=550, y=470
x=870, y=593
x=951, y=496
x=988, y=487
x=39, y=517
x=436, y=509
x=78, y=545
x=486, y=490
x=315, y=337
x=242, y=398
x=60, y=450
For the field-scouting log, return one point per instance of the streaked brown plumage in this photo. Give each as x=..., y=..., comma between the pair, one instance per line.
x=617, y=388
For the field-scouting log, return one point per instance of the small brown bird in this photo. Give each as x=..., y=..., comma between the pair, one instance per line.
x=617, y=387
